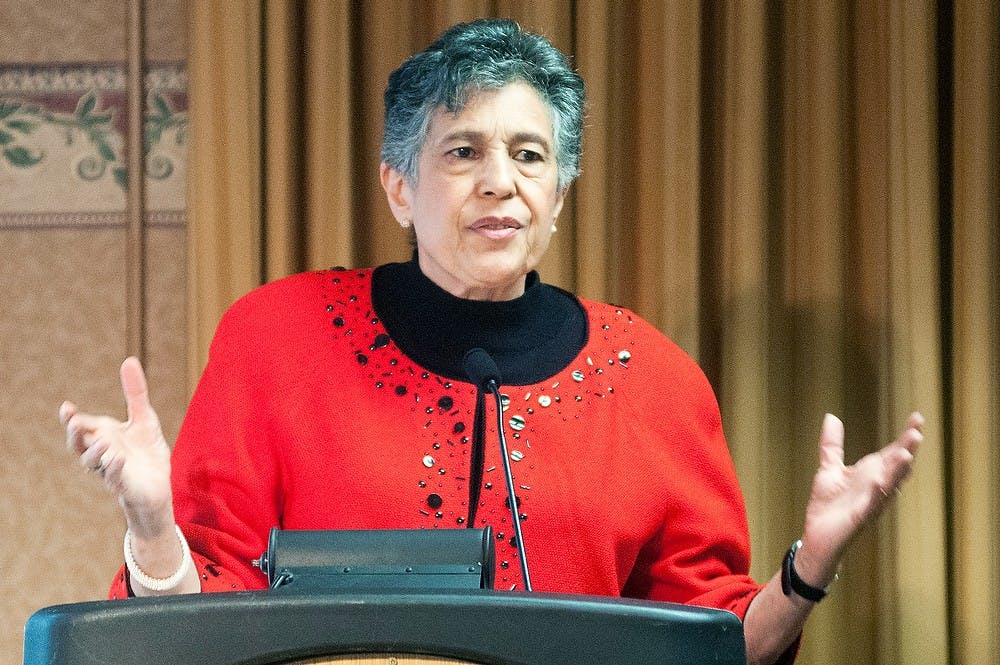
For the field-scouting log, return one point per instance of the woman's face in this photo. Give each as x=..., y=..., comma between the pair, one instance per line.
x=486, y=196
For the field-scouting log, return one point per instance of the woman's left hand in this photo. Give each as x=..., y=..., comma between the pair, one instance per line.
x=845, y=498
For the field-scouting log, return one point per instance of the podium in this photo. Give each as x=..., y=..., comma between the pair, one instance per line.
x=468, y=626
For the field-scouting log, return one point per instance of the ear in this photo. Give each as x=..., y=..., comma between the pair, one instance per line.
x=397, y=192
x=560, y=200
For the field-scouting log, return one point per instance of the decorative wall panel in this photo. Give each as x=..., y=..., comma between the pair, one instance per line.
x=63, y=254
x=62, y=132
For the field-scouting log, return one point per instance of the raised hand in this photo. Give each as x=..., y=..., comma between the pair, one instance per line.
x=844, y=498
x=131, y=457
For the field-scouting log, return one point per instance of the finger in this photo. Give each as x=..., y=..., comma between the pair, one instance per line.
x=915, y=421
x=111, y=470
x=897, y=465
x=135, y=389
x=91, y=459
x=78, y=428
x=831, y=441
x=66, y=411
x=74, y=437
x=911, y=437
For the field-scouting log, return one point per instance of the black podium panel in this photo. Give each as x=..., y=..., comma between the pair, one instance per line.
x=481, y=626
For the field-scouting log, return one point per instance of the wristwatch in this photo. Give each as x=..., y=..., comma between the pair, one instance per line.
x=790, y=580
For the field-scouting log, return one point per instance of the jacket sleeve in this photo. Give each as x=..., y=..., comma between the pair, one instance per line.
x=701, y=554
x=213, y=578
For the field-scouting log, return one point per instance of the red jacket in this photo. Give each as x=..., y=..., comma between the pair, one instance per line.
x=309, y=417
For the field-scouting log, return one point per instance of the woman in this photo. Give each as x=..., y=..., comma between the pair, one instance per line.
x=337, y=399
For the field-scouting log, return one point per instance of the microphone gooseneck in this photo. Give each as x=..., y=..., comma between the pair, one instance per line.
x=483, y=372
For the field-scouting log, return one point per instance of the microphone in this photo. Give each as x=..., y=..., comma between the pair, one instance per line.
x=483, y=372
x=481, y=369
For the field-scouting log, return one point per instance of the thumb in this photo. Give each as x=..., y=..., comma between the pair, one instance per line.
x=831, y=441
x=136, y=391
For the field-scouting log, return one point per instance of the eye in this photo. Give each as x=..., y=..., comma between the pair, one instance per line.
x=529, y=156
x=464, y=152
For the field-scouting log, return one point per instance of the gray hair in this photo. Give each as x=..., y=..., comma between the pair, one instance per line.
x=485, y=54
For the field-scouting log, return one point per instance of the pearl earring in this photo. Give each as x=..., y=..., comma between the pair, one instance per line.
x=405, y=222
x=554, y=229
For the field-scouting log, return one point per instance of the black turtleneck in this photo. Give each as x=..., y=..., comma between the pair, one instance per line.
x=531, y=338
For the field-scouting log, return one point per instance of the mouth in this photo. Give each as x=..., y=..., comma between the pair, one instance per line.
x=496, y=228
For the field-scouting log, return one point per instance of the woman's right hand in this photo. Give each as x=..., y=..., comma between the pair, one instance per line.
x=131, y=457
x=133, y=460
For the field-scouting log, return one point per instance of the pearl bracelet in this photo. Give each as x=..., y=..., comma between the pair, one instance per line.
x=154, y=583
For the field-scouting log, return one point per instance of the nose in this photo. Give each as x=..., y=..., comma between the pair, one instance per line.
x=496, y=175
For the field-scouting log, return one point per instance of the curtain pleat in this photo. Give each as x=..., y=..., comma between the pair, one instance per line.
x=916, y=537
x=282, y=140
x=593, y=242
x=975, y=471
x=224, y=207
x=767, y=184
x=329, y=197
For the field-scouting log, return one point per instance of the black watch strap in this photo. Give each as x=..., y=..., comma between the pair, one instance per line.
x=790, y=580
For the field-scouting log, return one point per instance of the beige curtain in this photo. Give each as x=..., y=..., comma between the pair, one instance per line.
x=805, y=197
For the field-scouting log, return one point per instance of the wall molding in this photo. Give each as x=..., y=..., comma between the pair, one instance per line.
x=63, y=132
